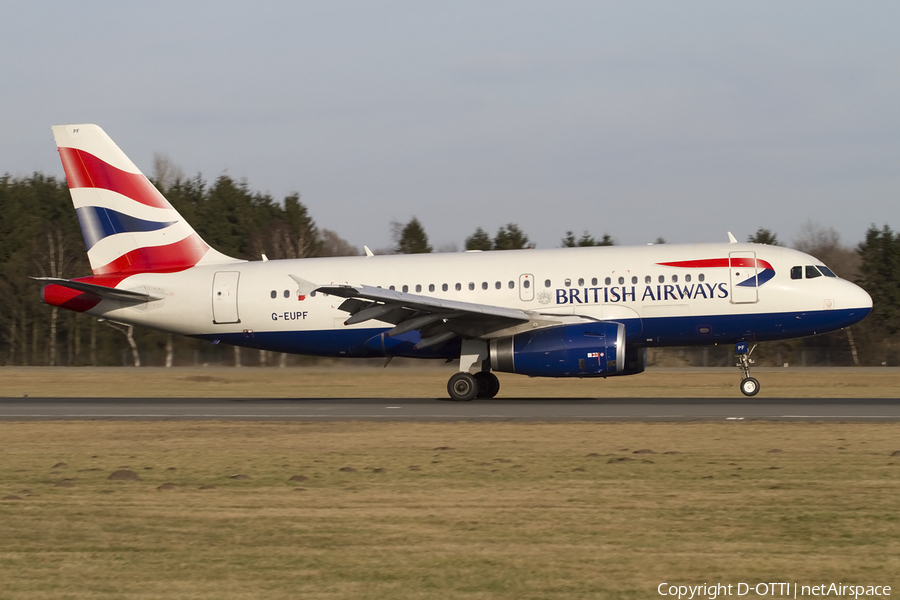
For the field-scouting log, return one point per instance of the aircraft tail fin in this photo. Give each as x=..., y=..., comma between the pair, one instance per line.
x=128, y=225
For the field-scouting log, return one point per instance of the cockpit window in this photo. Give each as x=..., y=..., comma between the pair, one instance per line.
x=811, y=272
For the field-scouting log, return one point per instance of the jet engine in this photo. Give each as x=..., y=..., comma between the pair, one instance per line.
x=580, y=350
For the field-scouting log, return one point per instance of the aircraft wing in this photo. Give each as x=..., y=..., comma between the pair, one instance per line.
x=437, y=319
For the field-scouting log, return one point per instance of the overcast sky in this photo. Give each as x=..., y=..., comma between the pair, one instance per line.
x=638, y=119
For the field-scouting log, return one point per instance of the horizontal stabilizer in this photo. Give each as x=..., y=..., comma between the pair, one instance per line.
x=102, y=291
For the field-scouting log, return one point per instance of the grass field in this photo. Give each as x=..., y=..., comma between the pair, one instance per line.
x=343, y=381
x=439, y=510
x=430, y=510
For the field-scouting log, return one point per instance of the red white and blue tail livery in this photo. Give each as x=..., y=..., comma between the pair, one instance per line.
x=565, y=312
x=128, y=226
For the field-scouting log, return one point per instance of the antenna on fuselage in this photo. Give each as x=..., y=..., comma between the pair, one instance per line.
x=731, y=239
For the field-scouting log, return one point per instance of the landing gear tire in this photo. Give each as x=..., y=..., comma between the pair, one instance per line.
x=488, y=384
x=462, y=387
x=749, y=386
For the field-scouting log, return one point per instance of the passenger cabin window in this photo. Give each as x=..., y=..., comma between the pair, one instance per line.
x=796, y=272
x=581, y=282
x=526, y=284
x=662, y=278
x=274, y=294
x=444, y=287
x=471, y=285
x=405, y=288
x=484, y=285
x=287, y=293
x=593, y=281
x=674, y=278
x=648, y=279
x=546, y=283
x=701, y=277
x=418, y=287
x=812, y=272
x=687, y=278
x=621, y=280
x=568, y=282
x=607, y=281
x=633, y=279
x=458, y=287
x=430, y=287
x=512, y=284
x=497, y=285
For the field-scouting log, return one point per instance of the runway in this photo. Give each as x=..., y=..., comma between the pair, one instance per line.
x=429, y=409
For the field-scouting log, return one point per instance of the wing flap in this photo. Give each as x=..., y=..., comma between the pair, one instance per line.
x=426, y=304
x=437, y=319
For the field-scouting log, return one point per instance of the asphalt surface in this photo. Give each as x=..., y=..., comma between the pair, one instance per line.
x=430, y=409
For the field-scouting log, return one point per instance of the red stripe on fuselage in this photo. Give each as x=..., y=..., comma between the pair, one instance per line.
x=158, y=259
x=708, y=263
x=84, y=170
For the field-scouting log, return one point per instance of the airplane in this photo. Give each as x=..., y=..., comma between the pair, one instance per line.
x=563, y=312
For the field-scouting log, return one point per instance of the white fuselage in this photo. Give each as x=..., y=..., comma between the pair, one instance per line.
x=700, y=301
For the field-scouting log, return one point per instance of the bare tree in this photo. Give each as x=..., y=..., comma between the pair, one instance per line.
x=165, y=172
x=448, y=247
x=170, y=350
x=288, y=244
x=335, y=245
x=825, y=244
x=54, y=260
x=128, y=332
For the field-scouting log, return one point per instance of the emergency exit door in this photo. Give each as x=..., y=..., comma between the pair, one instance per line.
x=526, y=287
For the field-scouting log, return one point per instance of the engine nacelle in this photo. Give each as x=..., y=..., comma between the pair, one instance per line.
x=580, y=350
x=635, y=361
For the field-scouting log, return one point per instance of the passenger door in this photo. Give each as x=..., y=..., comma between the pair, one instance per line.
x=225, y=297
x=742, y=276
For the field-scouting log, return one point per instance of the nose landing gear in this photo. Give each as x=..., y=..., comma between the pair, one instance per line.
x=749, y=385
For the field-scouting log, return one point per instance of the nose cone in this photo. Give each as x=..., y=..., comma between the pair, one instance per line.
x=858, y=298
x=855, y=301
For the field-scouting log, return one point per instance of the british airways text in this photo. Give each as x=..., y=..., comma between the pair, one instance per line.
x=596, y=295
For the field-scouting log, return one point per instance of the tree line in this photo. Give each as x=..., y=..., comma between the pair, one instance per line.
x=40, y=236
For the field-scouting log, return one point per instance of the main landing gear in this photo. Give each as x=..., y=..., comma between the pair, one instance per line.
x=749, y=385
x=480, y=383
x=464, y=387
